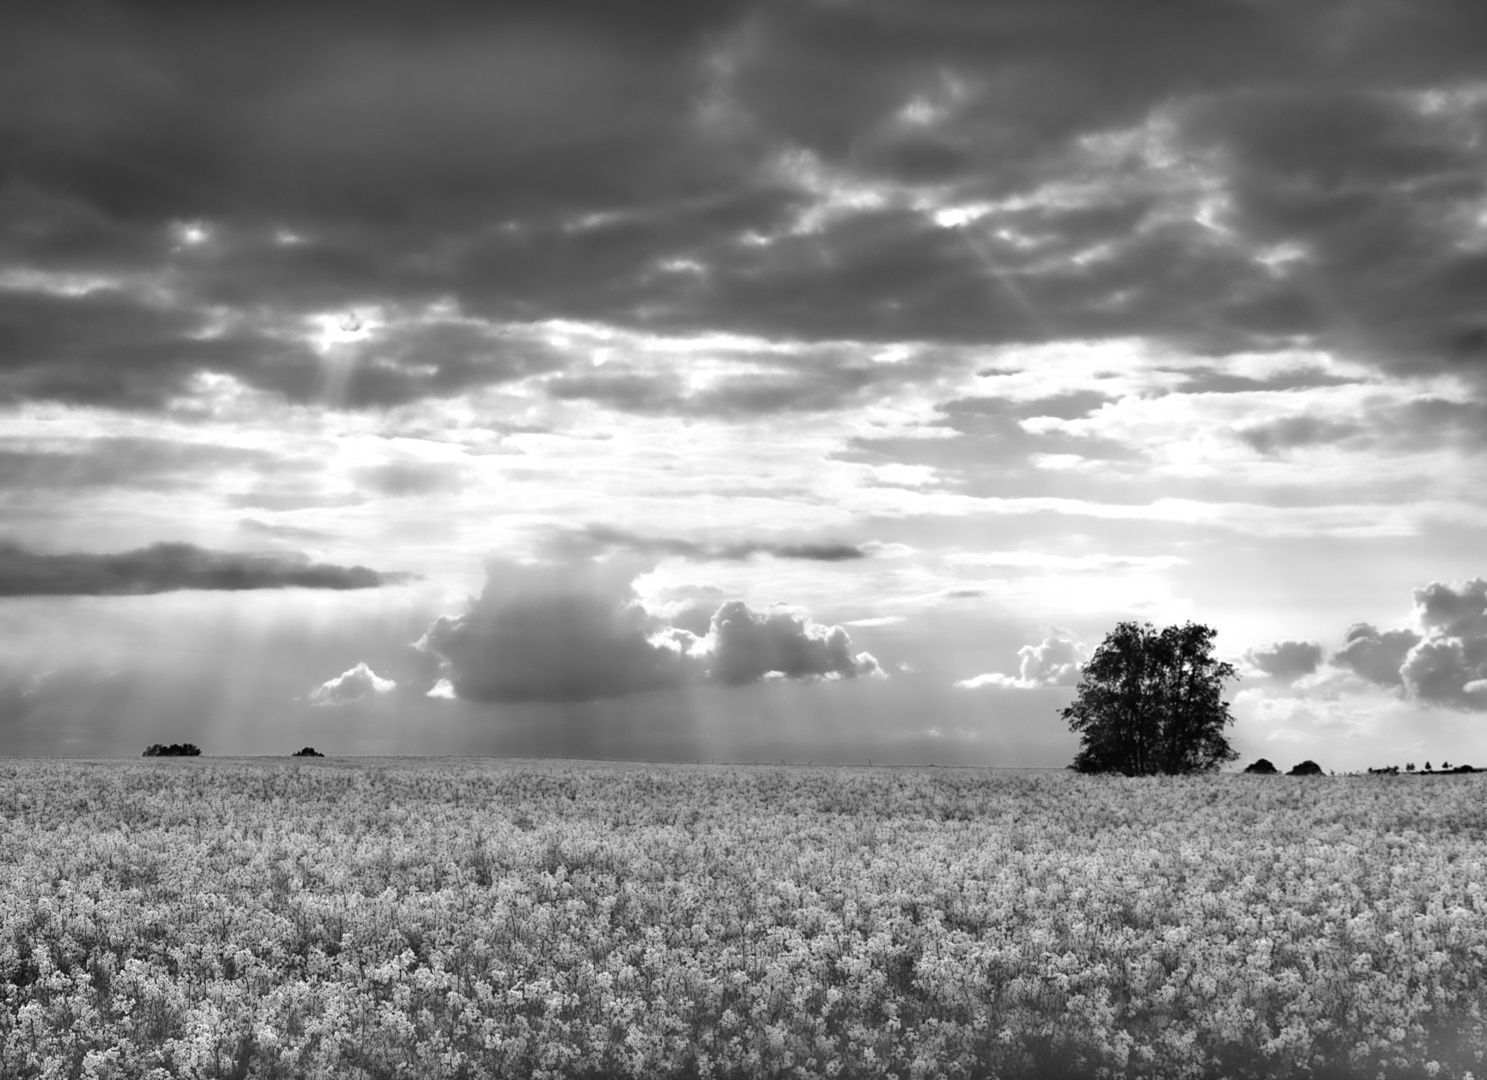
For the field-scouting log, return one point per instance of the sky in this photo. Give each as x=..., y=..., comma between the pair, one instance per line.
x=802, y=381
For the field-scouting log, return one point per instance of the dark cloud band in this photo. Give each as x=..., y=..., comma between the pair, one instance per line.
x=170, y=568
x=1218, y=175
x=607, y=537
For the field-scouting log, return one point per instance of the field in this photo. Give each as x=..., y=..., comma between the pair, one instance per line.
x=381, y=918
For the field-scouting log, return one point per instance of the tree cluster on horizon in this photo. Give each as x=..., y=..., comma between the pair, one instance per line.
x=1150, y=702
x=172, y=750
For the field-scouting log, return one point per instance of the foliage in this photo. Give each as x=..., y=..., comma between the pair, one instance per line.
x=308, y=751
x=1150, y=702
x=1306, y=768
x=460, y=920
x=175, y=749
x=1263, y=767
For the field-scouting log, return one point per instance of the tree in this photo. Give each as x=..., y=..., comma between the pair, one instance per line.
x=175, y=749
x=1151, y=702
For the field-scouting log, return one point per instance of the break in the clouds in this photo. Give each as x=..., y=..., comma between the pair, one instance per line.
x=354, y=684
x=1055, y=661
x=576, y=631
x=171, y=567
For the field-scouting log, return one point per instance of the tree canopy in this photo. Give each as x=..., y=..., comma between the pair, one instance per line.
x=1151, y=701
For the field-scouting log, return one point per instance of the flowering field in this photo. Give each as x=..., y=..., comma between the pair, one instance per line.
x=381, y=918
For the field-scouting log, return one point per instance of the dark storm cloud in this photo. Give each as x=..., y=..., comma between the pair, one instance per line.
x=609, y=538
x=170, y=567
x=575, y=631
x=1219, y=174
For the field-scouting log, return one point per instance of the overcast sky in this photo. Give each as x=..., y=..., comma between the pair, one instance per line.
x=807, y=381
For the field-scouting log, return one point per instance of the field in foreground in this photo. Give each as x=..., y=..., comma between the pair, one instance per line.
x=208, y=918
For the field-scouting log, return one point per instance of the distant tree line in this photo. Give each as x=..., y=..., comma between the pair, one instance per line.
x=1263, y=767
x=175, y=749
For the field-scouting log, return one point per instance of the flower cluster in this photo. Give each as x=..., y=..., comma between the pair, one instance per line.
x=463, y=919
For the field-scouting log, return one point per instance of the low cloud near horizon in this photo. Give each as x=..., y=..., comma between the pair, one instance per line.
x=354, y=684
x=576, y=631
x=1055, y=661
x=1440, y=660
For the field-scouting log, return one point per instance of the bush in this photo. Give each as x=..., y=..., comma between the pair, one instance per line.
x=1262, y=767
x=1306, y=768
x=308, y=751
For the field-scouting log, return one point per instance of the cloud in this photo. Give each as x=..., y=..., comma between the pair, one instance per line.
x=1374, y=654
x=1449, y=667
x=748, y=646
x=1285, y=661
x=558, y=632
x=112, y=462
x=354, y=684
x=925, y=172
x=1276, y=436
x=576, y=631
x=403, y=478
x=1444, y=663
x=1452, y=611
x=170, y=567
x=1056, y=661
x=608, y=538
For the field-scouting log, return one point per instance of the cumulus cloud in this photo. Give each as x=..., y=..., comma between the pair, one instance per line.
x=1449, y=667
x=1375, y=654
x=1444, y=662
x=171, y=567
x=576, y=631
x=1056, y=661
x=1458, y=611
x=354, y=684
x=748, y=646
x=1285, y=661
